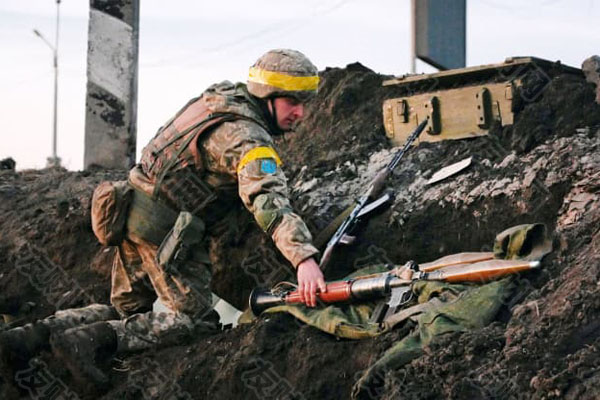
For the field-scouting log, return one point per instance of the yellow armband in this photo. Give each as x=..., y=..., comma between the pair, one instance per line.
x=256, y=154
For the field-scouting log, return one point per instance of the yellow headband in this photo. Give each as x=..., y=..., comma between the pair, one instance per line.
x=282, y=81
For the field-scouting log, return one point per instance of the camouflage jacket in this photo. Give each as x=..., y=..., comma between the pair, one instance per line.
x=216, y=151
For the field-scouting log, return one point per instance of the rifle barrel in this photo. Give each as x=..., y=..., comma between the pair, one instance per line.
x=372, y=192
x=413, y=136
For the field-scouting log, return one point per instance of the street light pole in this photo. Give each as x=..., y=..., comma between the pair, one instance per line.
x=54, y=160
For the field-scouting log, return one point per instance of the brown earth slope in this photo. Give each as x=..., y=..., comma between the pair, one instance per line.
x=544, y=344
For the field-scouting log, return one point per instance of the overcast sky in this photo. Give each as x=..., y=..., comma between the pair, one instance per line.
x=186, y=45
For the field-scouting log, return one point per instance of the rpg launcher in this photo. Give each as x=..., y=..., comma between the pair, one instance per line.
x=395, y=285
x=369, y=200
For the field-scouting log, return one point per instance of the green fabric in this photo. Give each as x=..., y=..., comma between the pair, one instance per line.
x=156, y=223
x=347, y=320
x=454, y=307
x=351, y=321
x=149, y=219
x=186, y=235
x=523, y=242
x=465, y=308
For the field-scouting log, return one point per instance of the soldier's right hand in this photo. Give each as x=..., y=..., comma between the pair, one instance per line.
x=310, y=277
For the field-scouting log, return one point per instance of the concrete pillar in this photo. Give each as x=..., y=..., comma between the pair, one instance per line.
x=112, y=70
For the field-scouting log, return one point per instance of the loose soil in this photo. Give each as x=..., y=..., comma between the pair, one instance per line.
x=544, y=343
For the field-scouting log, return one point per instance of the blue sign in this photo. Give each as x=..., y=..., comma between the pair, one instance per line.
x=440, y=32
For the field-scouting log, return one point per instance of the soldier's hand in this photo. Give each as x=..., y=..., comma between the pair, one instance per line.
x=310, y=278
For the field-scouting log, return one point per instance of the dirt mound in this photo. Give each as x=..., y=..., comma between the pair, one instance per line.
x=545, y=168
x=49, y=256
x=343, y=122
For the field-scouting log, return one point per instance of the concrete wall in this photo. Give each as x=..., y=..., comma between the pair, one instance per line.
x=112, y=70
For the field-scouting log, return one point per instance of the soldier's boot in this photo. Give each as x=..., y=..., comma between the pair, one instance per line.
x=18, y=345
x=24, y=342
x=82, y=349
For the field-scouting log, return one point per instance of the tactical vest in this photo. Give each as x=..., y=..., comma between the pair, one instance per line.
x=172, y=160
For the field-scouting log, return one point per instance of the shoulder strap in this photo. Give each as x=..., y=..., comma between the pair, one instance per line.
x=173, y=160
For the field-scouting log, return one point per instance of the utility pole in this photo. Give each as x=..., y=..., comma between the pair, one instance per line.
x=112, y=72
x=53, y=160
x=413, y=37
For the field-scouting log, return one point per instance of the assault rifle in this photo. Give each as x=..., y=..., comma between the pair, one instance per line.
x=396, y=284
x=368, y=200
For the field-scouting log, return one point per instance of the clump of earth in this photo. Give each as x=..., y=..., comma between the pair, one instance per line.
x=543, y=344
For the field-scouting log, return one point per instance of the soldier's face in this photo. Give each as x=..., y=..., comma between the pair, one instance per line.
x=289, y=112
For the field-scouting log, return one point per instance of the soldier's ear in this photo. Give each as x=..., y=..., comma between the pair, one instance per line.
x=270, y=105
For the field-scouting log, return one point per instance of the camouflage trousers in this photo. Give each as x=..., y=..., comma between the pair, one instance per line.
x=137, y=281
x=137, y=332
x=73, y=317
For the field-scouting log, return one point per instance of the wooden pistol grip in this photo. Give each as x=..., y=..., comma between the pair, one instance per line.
x=378, y=184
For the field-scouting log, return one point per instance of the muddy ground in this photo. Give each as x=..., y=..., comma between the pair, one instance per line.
x=544, y=343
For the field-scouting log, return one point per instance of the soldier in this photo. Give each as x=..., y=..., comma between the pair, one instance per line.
x=215, y=151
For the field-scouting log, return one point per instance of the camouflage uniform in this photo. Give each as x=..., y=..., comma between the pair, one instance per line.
x=214, y=153
x=209, y=177
x=65, y=319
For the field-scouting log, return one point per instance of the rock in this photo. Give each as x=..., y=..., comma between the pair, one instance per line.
x=508, y=160
x=306, y=186
x=583, y=131
x=8, y=190
x=591, y=69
